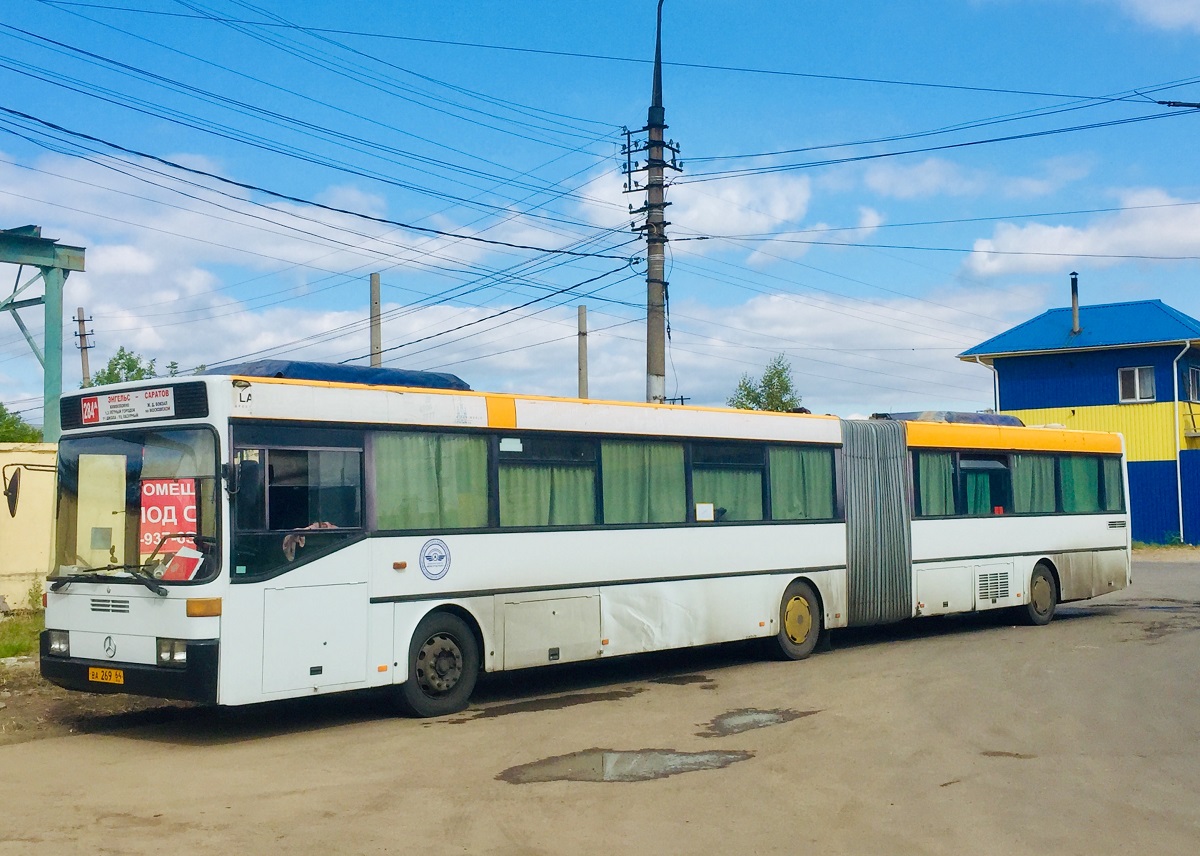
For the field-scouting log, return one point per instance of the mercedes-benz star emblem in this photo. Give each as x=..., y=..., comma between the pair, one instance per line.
x=110, y=647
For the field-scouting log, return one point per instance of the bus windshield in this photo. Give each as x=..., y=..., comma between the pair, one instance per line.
x=138, y=505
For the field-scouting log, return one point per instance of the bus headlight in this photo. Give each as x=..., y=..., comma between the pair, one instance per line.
x=60, y=643
x=172, y=652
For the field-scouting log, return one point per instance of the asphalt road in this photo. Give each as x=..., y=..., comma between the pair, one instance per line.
x=963, y=735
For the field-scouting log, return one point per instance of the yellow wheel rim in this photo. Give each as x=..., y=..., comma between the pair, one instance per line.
x=797, y=619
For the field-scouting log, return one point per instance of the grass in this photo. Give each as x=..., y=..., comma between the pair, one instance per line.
x=19, y=633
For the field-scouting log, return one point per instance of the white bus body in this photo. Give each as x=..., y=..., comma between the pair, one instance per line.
x=370, y=605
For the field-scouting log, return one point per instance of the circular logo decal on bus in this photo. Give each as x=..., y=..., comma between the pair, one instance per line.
x=435, y=559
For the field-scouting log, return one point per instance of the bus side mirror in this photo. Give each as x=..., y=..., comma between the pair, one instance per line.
x=230, y=473
x=11, y=489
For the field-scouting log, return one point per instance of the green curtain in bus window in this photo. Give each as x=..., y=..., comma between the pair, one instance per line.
x=643, y=482
x=1114, y=492
x=1080, y=479
x=979, y=491
x=738, y=491
x=935, y=476
x=1033, y=484
x=430, y=481
x=801, y=483
x=547, y=495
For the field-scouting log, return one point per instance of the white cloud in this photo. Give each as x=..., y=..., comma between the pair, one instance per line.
x=934, y=177
x=1172, y=230
x=1054, y=175
x=744, y=205
x=174, y=299
x=353, y=199
x=930, y=177
x=791, y=246
x=1166, y=14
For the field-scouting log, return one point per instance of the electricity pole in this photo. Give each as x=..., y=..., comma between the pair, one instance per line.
x=376, y=327
x=655, y=224
x=84, y=345
x=582, y=342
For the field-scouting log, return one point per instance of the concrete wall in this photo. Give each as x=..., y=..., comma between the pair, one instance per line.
x=25, y=541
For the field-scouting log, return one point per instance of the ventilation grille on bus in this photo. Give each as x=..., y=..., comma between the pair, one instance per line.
x=993, y=586
x=109, y=604
x=1116, y=524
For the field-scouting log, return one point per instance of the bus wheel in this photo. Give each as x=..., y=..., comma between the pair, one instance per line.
x=443, y=663
x=799, y=623
x=1043, y=597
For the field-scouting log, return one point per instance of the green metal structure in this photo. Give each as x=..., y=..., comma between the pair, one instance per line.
x=23, y=247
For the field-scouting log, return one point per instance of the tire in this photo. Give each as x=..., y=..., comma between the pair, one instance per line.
x=1043, y=597
x=443, y=663
x=799, y=623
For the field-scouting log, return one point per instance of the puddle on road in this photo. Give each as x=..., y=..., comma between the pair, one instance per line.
x=612, y=765
x=998, y=754
x=747, y=719
x=552, y=703
x=683, y=680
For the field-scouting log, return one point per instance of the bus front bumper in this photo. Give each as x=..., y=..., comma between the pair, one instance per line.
x=197, y=681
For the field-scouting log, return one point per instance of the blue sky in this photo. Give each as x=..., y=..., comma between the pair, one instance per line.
x=883, y=227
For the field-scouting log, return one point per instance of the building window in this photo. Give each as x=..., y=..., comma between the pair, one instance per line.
x=1137, y=384
x=1194, y=384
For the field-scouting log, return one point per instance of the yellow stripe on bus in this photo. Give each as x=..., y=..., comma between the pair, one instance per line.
x=941, y=435
x=501, y=411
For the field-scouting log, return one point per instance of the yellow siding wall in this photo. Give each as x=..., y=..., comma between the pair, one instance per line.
x=25, y=540
x=1147, y=427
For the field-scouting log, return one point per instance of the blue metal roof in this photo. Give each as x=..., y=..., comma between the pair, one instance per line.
x=1109, y=325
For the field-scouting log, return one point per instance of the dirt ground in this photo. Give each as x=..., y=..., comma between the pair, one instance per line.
x=31, y=708
x=935, y=737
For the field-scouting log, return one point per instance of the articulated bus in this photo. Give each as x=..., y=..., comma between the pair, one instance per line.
x=285, y=530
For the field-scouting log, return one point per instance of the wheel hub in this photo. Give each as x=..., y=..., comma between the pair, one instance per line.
x=1040, y=594
x=439, y=664
x=797, y=619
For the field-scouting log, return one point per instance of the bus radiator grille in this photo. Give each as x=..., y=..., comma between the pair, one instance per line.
x=993, y=586
x=109, y=604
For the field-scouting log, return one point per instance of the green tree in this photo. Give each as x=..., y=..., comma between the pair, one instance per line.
x=124, y=365
x=174, y=371
x=14, y=429
x=775, y=390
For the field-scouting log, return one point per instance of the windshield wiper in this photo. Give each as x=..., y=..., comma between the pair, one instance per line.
x=137, y=572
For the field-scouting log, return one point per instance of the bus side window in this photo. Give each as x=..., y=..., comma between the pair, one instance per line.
x=986, y=488
x=730, y=478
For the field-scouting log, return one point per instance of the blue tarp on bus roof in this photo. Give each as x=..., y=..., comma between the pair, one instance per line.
x=338, y=373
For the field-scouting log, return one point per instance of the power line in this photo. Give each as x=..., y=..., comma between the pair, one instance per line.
x=764, y=170
x=1040, y=112
x=497, y=314
x=275, y=146
x=297, y=199
x=592, y=56
x=770, y=236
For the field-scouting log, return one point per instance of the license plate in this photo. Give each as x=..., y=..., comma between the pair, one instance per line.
x=106, y=676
